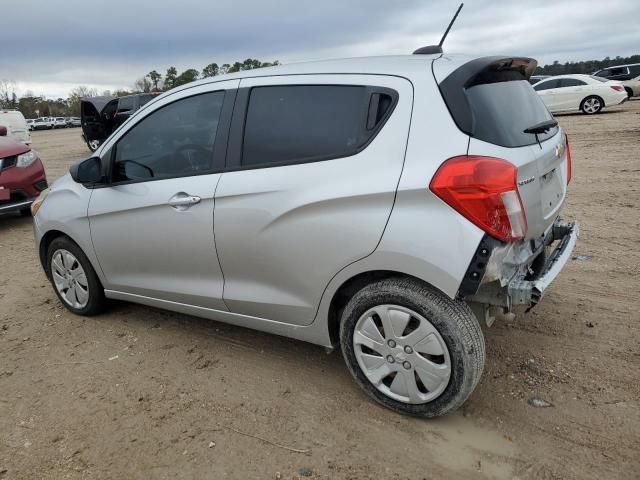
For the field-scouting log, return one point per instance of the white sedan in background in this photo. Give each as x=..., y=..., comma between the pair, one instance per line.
x=579, y=93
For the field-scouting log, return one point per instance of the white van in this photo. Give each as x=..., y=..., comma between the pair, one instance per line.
x=16, y=125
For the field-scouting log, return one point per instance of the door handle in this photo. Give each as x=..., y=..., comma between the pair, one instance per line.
x=182, y=201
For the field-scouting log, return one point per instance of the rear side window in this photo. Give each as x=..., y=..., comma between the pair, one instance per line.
x=502, y=111
x=546, y=85
x=304, y=123
x=571, y=82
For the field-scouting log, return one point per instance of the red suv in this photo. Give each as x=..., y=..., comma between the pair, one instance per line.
x=22, y=176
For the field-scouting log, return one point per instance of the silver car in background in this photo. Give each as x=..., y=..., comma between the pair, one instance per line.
x=388, y=205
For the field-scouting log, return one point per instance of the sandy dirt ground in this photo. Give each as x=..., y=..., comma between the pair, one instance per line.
x=142, y=393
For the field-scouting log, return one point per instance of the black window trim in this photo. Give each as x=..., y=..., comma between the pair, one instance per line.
x=219, y=147
x=238, y=123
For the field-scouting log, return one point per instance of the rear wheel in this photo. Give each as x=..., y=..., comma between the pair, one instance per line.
x=629, y=92
x=592, y=105
x=73, y=278
x=411, y=348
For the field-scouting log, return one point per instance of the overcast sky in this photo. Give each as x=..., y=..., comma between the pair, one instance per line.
x=49, y=47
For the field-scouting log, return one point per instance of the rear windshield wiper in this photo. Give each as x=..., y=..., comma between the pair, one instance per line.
x=542, y=127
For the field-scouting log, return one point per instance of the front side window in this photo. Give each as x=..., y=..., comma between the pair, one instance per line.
x=304, y=123
x=618, y=71
x=175, y=140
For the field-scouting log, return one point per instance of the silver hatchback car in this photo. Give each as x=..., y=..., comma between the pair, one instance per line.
x=388, y=205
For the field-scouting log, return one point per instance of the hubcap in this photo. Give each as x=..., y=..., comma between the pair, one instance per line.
x=69, y=278
x=402, y=354
x=591, y=105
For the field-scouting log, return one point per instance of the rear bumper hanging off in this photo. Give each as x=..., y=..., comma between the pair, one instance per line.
x=529, y=293
x=506, y=278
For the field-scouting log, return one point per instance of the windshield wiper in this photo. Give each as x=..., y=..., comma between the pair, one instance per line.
x=542, y=127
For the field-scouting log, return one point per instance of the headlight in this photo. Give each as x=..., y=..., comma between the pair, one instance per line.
x=26, y=159
x=37, y=203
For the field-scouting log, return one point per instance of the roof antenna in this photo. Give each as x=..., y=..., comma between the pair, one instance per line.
x=432, y=49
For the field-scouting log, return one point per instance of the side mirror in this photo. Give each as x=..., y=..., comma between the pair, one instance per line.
x=3, y=131
x=88, y=171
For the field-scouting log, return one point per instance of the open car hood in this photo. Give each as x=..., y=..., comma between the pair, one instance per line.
x=99, y=102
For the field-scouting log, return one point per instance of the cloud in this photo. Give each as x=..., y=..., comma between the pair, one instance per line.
x=56, y=45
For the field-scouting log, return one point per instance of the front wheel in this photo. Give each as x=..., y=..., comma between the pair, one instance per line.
x=73, y=278
x=93, y=145
x=592, y=105
x=411, y=348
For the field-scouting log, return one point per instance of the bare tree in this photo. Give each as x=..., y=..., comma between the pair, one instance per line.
x=7, y=93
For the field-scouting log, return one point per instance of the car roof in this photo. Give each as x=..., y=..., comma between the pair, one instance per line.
x=620, y=66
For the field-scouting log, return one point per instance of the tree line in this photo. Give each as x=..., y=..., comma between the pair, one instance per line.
x=33, y=106
x=588, y=66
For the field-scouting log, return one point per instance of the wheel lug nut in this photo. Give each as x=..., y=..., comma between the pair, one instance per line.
x=406, y=365
x=390, y=359
x=408, y=349
x=391, y=343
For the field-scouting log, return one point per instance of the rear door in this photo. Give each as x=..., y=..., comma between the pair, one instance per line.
x=313, y=167
x=152, y=226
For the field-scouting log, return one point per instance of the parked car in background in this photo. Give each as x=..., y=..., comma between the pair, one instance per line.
x=59, y=122
x=533, y=79
x=628, y=75
x=579, y=93
x=16, y=125
x=74, y=122
x=22, y=176
x=41, y=123
x=386, y=204
x=30, y=122
x=100, y=116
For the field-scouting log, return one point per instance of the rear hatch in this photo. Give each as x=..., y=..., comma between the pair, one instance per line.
x=492, y=101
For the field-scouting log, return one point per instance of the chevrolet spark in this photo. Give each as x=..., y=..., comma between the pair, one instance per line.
x=387, y=205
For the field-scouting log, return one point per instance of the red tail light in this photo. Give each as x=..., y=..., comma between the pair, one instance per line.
x=566, y=144
x=617, y=88
x=485, y=192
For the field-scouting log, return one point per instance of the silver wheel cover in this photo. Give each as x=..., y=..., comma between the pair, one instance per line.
x=591, y=105
x=402, y=354
x=69, y=279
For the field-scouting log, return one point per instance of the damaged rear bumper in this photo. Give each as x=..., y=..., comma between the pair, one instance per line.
x=529, y=292
x=511, y=275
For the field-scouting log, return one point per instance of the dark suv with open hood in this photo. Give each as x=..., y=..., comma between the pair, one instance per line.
x=100, y=116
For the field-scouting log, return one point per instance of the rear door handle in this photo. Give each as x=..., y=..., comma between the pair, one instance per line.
x=182, y=201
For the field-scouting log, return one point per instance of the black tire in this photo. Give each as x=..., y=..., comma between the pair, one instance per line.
x=454, y=321
x=629, y=92
x=97, y=302
x=583, y=105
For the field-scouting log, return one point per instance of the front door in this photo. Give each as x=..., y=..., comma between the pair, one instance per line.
x=152, y=228
x=317, y=160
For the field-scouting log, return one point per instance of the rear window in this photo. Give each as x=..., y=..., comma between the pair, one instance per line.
x=502, y=111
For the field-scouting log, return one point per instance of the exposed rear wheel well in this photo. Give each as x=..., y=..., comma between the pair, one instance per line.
x=348, y=289
x=629, y=92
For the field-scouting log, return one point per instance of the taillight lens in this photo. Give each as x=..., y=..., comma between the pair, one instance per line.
x=566, y=144
x=485, y=192
x=617, y=88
